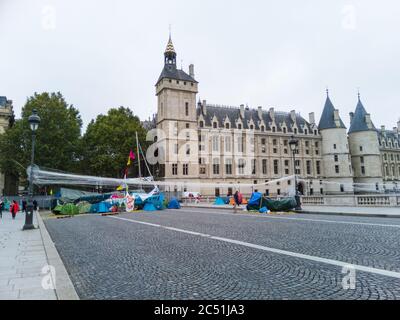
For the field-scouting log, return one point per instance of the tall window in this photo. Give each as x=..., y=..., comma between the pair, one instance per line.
x=228, y=166
x=318, y=165
x=276, y=167
x=337, y=169
x=336, y=157
x=228, y=144
x=253, y=166
x=185, y=169
x=241, y=165
x=187, y=109
x=240, y=144
x=215, y=143
x=215, y=166
x=264, y=166
x=308, y=164
x=174, y=169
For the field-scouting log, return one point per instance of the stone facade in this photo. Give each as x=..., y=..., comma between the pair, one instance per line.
x=6, y=118
x=233, y=146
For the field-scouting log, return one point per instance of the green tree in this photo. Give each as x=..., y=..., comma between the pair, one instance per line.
x=107, y=143
x=57, y=139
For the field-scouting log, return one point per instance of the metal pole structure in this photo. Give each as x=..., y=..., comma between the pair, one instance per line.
x=29, y=210
x=138, y=155
x=297, y=196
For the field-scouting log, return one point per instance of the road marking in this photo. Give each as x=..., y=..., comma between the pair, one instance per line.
x=338, y=263
x=299, y=219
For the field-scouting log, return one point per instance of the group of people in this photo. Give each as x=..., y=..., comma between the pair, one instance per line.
x=14, y=207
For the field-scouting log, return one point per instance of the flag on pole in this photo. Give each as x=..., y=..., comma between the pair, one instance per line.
x=131, y=157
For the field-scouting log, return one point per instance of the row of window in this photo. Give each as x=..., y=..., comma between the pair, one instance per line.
x=264, y=167
x=251, y=127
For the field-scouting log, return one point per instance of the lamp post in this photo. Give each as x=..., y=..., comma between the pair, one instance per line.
x=34, y=121
x=293, y=143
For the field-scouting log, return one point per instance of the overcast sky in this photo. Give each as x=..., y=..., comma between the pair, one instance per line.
x=101, y=53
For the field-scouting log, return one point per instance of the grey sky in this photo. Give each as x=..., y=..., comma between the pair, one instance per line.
x=103, y=53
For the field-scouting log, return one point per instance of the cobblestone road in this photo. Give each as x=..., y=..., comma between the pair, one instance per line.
x=110, y=258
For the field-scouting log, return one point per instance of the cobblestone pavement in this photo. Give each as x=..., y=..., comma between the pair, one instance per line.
x=110, y=258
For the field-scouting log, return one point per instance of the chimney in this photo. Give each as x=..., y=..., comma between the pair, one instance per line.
x=204, y=107
x=383, y=128
x=191, y=70
x=272, y=113
x=260, y=112
x=242, y=111
x=351, y=117
x=293, y=115
x=368, y=120
x=311, y=117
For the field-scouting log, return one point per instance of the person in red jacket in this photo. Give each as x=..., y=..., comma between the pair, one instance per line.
x=14, y=208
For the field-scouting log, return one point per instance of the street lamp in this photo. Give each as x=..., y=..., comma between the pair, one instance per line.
x=34, y=121
x=293, y=143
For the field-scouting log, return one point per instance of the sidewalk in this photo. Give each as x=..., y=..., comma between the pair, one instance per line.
x=384, y=212
x=25, y=257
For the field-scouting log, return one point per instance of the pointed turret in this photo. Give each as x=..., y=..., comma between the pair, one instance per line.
x=330, y=116
x=364, y=149
x=361, y=120
x=335, y=151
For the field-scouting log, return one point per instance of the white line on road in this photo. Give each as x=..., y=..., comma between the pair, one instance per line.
x=342, y=264
x=299, y=219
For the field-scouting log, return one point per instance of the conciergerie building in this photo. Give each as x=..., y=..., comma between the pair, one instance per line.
x=233, y=146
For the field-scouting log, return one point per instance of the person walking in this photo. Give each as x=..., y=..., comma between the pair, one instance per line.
x=1, y=208
x=35, y=205
x=24, y=206
x=14, y=208
x=238, y=200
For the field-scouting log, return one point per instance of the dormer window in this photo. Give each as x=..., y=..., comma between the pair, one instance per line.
x=262, y=128
x=251, y=127
x=215, y=125
x=295, y=131
x=239, y=126
x=201, y=124
x=227, y=125
x=273, y=129
x=284, y=130
x=305, y=131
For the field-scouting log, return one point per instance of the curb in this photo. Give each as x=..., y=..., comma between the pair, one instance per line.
x=349, y=214
x=64, y=288
x=352, y=214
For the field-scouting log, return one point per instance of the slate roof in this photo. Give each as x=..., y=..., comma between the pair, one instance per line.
x=328, y=117
x=234, y=114
x=358, y=123
x=388, y=135
x=171, y=72
x=3, y=101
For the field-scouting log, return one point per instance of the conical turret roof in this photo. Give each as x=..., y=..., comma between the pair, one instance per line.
x=359, y=122
x=328, y=117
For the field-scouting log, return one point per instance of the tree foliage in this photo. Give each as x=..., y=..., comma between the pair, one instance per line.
x=57, y=139
x=108, y=140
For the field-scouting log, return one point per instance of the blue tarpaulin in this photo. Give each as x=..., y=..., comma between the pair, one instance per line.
x=219, y=202
x=149, y=207
x=255, y=199
x=174, y=204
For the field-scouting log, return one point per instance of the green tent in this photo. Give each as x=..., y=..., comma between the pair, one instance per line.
x=83, y=207
x=69, y=209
